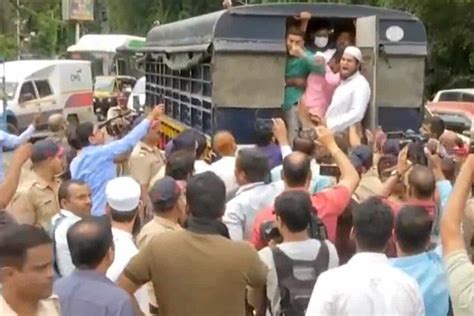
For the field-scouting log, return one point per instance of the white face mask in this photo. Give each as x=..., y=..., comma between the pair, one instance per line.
x=321, y=42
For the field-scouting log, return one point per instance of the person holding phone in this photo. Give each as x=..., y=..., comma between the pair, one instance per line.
x=95, y=163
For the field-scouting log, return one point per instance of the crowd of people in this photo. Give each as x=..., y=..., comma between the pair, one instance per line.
x=315, y=219
x=244, y=234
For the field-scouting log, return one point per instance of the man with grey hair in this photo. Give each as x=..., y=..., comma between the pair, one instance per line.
x=57, y=127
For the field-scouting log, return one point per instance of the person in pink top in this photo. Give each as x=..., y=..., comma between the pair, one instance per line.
x=320, y=88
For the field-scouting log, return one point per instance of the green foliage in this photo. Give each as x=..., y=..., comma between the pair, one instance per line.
x=449, y=25
x=7, y=47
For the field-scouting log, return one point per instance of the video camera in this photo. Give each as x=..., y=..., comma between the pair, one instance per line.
x=408, y=136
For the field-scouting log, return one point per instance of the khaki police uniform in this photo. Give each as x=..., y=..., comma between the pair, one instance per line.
x=121, y=123
x=37, y=204
x=117, y=111
x=145, y=162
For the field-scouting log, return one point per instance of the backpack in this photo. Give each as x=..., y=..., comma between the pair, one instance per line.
x=294, y=291
x=52, y=234
x=316, y=230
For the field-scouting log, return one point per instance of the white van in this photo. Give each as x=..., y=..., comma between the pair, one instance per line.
x=47, y=87
x=137, y=98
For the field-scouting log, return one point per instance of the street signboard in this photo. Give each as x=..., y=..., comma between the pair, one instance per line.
x=78, y=10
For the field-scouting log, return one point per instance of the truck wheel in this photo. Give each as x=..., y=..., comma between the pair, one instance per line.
x=73, y=120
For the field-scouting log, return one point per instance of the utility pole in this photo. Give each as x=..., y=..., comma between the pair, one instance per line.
x=3, y=114
x=18, y=29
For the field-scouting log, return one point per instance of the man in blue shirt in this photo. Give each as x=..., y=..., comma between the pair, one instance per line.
x=13, y=141
x=87, y=291
x=412, y=233
x=95, y=162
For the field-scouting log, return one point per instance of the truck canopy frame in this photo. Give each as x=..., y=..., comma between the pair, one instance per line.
x=241, y=28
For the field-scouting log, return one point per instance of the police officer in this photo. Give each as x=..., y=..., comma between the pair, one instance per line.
x=120, y=116
x=38, y=203
x=122, y=110
x=57, y=127
x=145, y=162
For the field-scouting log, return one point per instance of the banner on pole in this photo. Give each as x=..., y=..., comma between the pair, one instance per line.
x=78, y=10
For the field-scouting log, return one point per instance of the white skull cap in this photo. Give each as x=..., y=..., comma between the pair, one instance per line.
x=354, y=52
x=123, y=194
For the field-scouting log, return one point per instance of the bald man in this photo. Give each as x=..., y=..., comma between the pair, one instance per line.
x=57, y=127
x=225, y=147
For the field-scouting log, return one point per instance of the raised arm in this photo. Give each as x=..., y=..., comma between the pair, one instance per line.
x=281, y=134
x=304, y=20
x=12, y=141
x=349, y=176
x=121, y=146
x=451, y=234
x=312, y=64
x=403, y=165
x=10, y=184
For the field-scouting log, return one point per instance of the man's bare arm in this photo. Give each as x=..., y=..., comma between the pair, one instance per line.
x=130, y=287
x=349, y=176
x=403, y=165
x=10, y=184
x=304, y=18
x=451, y=234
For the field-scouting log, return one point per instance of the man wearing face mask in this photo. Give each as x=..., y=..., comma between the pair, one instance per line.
x=319, y=40
x=300, y=63
x=351, y=98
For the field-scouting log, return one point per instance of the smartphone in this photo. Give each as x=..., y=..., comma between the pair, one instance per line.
x=330, y=171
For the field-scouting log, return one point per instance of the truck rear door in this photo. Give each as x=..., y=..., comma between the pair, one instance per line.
x=367, y=30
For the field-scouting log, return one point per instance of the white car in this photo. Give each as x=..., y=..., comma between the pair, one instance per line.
x=47, y=87
x=454, y=95
x=137, y=98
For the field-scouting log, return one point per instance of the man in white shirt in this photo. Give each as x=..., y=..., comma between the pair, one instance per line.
x=351, y=98
x=223, y=144
x=76, y=203
x=297, y=255
x=252, y=172
x=367, y=284
x=123, y=201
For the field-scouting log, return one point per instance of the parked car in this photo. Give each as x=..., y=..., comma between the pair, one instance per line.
x=456, y=108
x=454, y=95
x=46, y=87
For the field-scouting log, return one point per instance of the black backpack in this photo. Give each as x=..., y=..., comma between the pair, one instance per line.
x=296, y=292
x=316, y=230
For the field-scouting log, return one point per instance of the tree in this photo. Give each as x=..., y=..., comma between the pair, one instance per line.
x=8, y=47
x=40, y=25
